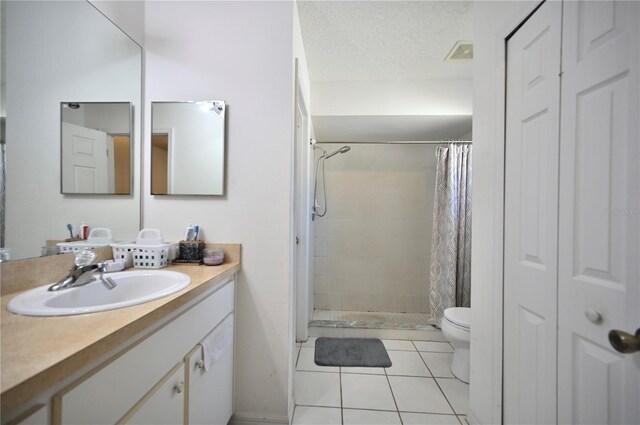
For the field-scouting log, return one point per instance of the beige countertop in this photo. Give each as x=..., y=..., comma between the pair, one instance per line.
x=38, y=352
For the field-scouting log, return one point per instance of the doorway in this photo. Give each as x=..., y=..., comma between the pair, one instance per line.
x=302, y=228
x=160, y=163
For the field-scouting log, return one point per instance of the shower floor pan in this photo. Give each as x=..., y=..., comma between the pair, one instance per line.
x=369, y=320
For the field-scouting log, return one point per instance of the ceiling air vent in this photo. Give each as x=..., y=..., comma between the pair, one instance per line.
x=462, y=51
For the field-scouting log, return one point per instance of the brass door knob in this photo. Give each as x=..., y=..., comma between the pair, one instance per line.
x=625, y=342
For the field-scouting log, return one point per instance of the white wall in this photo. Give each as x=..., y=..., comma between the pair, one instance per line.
x=73, y=116
x=441, y=97
x=391, y=110
x=493, y=22
x=373, y=247
x=239, y=52
x=48, y=61
x=110, y=118
x=128, y=15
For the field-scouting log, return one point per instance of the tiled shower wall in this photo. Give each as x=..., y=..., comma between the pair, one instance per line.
x=373, y=247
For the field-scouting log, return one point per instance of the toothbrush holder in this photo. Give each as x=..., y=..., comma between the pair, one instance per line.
x=191, y=251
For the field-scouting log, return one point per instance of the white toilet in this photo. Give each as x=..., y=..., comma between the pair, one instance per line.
x=456, y=327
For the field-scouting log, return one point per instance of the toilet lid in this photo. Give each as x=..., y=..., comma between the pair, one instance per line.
x=459, y=315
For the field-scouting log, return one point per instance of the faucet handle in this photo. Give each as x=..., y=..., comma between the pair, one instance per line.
x=106, y=281
x=84, y=258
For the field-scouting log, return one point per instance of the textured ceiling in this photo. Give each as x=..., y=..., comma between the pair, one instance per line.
x=384, y=40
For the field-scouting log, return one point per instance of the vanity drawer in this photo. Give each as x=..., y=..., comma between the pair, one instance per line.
x=108, y=393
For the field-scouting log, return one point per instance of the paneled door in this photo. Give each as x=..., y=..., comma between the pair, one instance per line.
x=599, y=256
x=84, y=160
x=531, y=218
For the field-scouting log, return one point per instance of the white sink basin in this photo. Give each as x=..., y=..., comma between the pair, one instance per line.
x=134, y=287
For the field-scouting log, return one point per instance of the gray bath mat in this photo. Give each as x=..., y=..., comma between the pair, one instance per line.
x=351, y=352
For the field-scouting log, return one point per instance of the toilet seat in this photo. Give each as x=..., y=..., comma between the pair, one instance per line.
x=459, y=316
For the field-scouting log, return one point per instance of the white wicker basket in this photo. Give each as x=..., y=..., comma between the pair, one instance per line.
x=98, y=238
x=75, y=247
x=124, y=251
x=146, y=256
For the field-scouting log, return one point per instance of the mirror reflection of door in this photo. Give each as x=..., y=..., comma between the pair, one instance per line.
x=96, y=147
x=84, y=158
x=121, y=163
x=159, y=163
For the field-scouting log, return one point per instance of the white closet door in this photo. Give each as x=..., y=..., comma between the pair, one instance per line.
x=599, y=258
x=531, y=218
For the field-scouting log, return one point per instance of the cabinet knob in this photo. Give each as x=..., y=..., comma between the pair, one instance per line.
x=593, y=315
x=180, y=387
x=200, y=364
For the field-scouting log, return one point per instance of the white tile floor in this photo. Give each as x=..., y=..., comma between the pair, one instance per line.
x=417, y=389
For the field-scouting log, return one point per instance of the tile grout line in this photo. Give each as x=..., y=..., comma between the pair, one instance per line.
x=317, y=371
x=414, y=345
x=387, y=376
x=393, y=396
x=319, y=406
x=426, y=413
x=298, y=357
x=369, y=409
x=439, y=387
x=341, y=402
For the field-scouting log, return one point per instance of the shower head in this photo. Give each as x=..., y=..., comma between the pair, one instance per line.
x=343, y=149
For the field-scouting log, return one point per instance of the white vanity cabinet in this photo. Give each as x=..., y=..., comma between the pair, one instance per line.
x=156, y=380
x=209, y=399
x=164, y=403
x=37, y=415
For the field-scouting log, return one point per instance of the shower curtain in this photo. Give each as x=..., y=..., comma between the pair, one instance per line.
x=450, y=271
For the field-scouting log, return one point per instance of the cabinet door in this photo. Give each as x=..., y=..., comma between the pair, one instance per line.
x=164, y=404
x=210, y=396
x=135, y=372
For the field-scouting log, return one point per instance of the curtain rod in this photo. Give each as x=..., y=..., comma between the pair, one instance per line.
x=400, y=142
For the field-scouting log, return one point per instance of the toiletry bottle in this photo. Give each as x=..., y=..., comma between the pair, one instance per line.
x=188, y=233
x=84, y=230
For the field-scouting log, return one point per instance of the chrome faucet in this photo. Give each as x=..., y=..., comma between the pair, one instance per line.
x=82, y=271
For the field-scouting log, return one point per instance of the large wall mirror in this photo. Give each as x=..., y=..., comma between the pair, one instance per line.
x=95, y=139
x=54, y=54
x=188, y=148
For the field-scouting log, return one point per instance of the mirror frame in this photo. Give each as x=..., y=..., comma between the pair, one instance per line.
x=131, y=151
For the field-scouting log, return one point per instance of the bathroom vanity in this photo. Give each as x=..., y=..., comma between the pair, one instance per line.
x=141, y=364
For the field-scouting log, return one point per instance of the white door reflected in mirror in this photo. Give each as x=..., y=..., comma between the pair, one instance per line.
x=96, y=147
x=188, y=148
